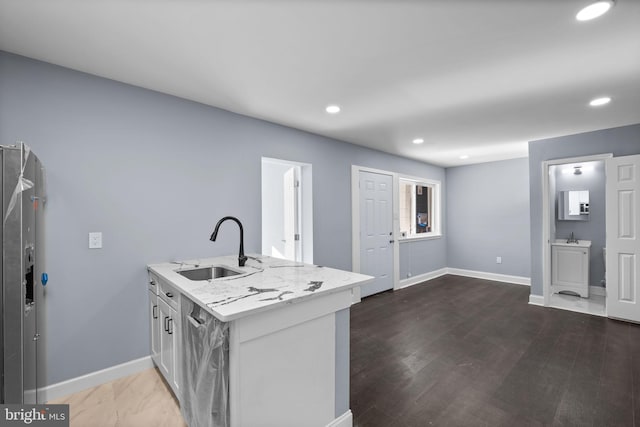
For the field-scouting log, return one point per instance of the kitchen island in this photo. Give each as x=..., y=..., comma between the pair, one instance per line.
x=285, y=330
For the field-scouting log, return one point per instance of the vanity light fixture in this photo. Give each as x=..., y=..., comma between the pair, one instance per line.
x=418, y=141
x=577, y=169
x=600, y=101
x=594, y=10
x=332, y=109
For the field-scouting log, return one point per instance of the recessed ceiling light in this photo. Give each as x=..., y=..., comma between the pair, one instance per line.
x=600, y=101
x=464, y=157
x=594, y=10
x=332, y=109
x=418, y=141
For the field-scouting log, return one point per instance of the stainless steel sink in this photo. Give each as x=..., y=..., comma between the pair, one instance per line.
x=208, y=273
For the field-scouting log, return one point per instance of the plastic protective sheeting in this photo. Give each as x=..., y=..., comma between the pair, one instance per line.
x=23, y=183
x=205, y=368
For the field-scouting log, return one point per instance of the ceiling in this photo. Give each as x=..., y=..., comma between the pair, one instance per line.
x=476, y=78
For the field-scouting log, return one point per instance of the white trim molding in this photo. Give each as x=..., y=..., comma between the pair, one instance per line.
x=93, y=379
x=518, y=280
x=344, y=420
x=536, y=300
x=421, y=278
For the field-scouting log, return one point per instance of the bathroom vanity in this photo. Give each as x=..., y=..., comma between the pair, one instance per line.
x=284, y=352
x=570, y=266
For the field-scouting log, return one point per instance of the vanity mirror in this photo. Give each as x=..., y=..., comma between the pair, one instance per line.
x=573, y=205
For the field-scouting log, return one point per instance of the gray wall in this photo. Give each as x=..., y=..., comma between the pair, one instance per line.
x=621, y=141
x=154, y=173
x=488, y=216
x=595, y=228
x=416, y=256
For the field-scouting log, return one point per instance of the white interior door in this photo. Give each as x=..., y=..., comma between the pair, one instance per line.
x=291, y=215
x=376, y=231
x=623, y=242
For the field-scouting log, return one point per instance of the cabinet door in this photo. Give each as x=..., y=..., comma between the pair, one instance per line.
x=154, y=325
x=174, y=330
x=166, y=341
x=570, y=266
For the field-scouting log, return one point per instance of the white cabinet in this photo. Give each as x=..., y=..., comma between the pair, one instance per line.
x=282, y=364
x=570, y=267
x=165, y=331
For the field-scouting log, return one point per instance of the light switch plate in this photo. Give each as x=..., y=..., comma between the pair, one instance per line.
x=499, y=260
x=95, y=240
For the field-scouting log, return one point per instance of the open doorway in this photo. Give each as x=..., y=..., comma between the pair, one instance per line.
x=577, y=239
x=574, y=234
x=287, y=210
x=619, y=256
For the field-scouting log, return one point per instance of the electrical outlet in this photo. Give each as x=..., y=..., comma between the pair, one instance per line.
x=95, y=240
x=499, y=260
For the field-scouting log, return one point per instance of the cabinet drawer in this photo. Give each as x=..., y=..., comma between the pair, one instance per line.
x=168, y=293
x=153, y=283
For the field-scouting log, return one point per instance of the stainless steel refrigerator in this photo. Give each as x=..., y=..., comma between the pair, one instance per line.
x=22, y=320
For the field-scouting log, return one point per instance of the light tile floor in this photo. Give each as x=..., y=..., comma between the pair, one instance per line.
x=594, y=305
x=139, y=400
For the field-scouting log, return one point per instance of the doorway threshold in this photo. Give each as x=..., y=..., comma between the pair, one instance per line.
x=594, y=305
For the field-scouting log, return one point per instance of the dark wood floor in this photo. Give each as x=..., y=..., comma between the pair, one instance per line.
x=458, y=351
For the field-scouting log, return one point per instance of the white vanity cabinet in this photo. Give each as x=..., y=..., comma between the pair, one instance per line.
x=570, y=267
x=165, y=330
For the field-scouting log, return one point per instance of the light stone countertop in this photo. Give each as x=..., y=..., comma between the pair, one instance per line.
x=265, y=283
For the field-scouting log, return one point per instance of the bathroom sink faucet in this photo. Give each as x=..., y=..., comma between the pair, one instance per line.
x=241, y=257
x=572, y=239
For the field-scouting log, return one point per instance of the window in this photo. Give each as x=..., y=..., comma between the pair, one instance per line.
x=419, y=208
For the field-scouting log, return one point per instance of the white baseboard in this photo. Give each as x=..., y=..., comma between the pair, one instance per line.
x=518, y=280
x=94, y=379
x=344, y=420
x=421, y=278
x=536, y=300
x=598, y=290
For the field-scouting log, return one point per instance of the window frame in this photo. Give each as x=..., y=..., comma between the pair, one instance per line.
x=436, y=188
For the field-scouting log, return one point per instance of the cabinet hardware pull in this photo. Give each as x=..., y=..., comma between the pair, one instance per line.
x=169, y=294
x=152, y=283
x=154, y=311
x=170, y=326
x=166, y=327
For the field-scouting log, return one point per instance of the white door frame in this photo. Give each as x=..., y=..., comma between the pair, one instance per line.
x=355, y=223
x=548, y=213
